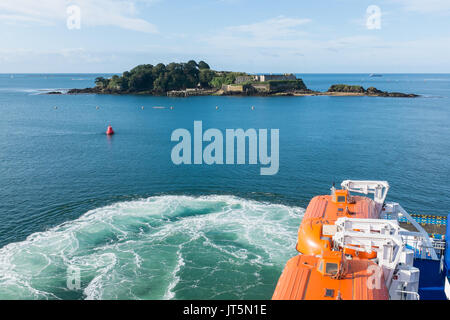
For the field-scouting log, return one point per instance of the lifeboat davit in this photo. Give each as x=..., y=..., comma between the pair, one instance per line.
x=109, y=131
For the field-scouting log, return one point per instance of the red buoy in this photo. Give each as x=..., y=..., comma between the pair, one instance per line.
x=109, y=131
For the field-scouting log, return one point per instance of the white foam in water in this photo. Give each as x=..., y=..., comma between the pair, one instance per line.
x=176, y=279
x=167, y=247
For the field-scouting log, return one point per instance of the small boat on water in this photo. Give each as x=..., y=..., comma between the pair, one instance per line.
x=352, y=247
x=375, y=75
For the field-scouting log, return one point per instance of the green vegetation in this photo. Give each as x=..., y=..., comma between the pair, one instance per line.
x=346, y=88
x=226, y=78
x=203, y=65
x=161, y=78
x=287, y=85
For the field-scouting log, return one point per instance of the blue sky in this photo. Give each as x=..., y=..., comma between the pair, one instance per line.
x=241, y=35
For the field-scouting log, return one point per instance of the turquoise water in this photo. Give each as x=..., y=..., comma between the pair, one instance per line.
x=139, y=227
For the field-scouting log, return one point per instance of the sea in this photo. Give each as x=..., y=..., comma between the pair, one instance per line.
x=88, y=216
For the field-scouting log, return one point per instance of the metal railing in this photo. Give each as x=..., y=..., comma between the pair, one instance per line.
x=420, y=218
x=424, y=244
x=418, y=246
x=414, y=294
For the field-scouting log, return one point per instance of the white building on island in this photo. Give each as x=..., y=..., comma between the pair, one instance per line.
x=265, y=77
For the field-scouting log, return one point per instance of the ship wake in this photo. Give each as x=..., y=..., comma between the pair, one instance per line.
x=166, y=247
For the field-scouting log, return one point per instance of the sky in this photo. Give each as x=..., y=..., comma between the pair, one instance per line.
x=256, y=36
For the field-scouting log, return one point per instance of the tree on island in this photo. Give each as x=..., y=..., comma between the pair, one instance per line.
x=101, y=82
x=203, y=65
x=161, y=78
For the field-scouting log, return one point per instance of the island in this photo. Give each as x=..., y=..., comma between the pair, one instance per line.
x=198, y=79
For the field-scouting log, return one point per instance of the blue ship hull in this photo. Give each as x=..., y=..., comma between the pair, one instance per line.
x=433, y=273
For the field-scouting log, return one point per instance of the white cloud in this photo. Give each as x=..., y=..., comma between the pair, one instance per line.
x=278, y=32
x=15, y=19
x=68, y=55
x=291, y=48
x=282, y=35
x=119, y=13
x=426, y=6
x=272, y=28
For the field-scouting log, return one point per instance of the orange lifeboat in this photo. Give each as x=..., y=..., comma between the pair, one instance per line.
x=329, y=277
x=323, y=211
x=109, y=131
x=322, y=271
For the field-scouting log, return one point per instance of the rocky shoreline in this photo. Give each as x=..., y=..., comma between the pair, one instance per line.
x=334, y=90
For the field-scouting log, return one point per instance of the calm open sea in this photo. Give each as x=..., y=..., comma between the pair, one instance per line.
x=136, y=226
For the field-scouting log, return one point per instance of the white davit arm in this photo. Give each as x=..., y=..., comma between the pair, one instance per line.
x=378, y=188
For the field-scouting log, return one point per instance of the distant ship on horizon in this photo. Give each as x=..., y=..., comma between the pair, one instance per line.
x=375, y=75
